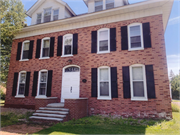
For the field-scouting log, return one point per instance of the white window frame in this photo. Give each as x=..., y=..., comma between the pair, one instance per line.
x=144, y=82
x=69, y=55
x=53, y=14
x=41, y=17
x=17, y=95
x=104, y=97
x=42, y=48
x=39, y=77
x=129, y=38
x=23, y=49
x=98, y=35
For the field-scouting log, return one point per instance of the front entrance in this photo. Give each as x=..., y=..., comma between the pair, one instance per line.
x=70, y=82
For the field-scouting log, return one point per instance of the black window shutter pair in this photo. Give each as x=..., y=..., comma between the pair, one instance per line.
x=60, y=44
x=146, y=36
x=38, y=47
x=15, y=83
x=149, y=82
x=35, y=83
x=18, y=56
x=94, y=85
x=112, y=40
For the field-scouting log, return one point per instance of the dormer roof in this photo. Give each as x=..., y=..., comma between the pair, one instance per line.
x=39, y=2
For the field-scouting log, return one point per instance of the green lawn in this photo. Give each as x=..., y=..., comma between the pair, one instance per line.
x=104, y=125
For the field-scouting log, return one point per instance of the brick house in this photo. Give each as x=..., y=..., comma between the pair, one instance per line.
x=110, y=60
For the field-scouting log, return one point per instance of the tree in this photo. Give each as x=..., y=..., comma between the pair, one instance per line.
x=171, y=75
x=175, y=87
x=12, y=17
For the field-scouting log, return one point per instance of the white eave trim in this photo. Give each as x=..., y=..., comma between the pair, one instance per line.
x=127, y=12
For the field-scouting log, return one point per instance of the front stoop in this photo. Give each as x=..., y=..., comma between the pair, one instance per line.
x=54, y=113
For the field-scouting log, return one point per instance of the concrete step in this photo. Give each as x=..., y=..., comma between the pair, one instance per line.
x=56, y=105
x=52, y=112
x=46, y=118
x=49, y=115
x=53, y=109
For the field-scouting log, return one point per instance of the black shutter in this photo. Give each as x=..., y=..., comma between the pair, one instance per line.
x=59, y=47
x=34, y=88
x=31, y=49
x=124, y=38
x=18, y=56
x=27, y=83
x=75, y=43
x=94, y=42
x=51, y=54
x=146, y=35
x=150, y=82
x=49, y=83
x=94, y=82
x=38, y=48
x=113, y=39
x=114, y=89
x=15, y=84
x=126, y=82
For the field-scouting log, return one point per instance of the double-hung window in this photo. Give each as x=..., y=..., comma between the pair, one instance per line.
x=135, y=36
x=47, y=15
x=39, y=16
x=138, y=82
x=45, y=47
x=42, y=86
x=56, y=14
x=25, y=50
x=104, y=83
x=103, y=40
x=98, y=5
x=109, y=4
x=21, y=84
x=67, y=45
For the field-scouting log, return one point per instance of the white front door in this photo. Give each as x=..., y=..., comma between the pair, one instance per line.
x=70, y=83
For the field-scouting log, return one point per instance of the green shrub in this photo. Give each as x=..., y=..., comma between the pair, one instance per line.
x=2, y=94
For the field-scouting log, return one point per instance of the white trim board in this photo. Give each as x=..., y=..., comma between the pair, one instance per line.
x=133, y=11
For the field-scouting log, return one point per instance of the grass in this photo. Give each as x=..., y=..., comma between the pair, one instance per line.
x=175, y=100
x=2, y=102
x=108, y=125
x=11, y=118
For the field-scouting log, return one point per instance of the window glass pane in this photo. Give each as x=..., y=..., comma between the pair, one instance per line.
x=39, y=18
x=109, y=1
x=134, y=31
x=47, y=15
x=138, y=89
x=42, y=90
x=68, y=45
x=68, y=40
x=103, y=35
x=72, y=69
x=26, y=46
x=98, y=2
x=46, y=43
x=104, y=75
x=56, y=12
x=137, y=73
x=45, y=52
x=103, y=45
x=22, y=77
x=25, y=50
x=25, y=54
x=67, y=49
x=43, y=77
x=104, y=88
x=21, y=89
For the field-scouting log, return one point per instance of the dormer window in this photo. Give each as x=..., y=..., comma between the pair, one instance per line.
x=98, y=5
x=109, y=4
x=56, y=14
x=47, y=15
x=39, y=18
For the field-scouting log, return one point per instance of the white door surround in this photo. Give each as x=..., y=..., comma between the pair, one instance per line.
x=70, y=82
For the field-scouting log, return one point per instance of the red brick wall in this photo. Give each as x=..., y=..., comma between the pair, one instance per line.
x=78, y=108
x=159, y=107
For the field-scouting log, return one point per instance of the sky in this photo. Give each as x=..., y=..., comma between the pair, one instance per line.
x=172, y=33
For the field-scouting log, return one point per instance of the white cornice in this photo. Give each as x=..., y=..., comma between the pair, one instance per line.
x=138, y=10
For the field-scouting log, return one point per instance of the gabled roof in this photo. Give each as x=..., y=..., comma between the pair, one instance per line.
x=125, y=2
x=40, y=2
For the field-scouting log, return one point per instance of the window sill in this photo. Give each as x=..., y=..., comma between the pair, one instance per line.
x=104, y=98
x=66, y=55
x=136, y=49
x=139, y=99
x=20, y=96
x=41, y=97
x=44, y=58
x=103, y=52
x=24, y=60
